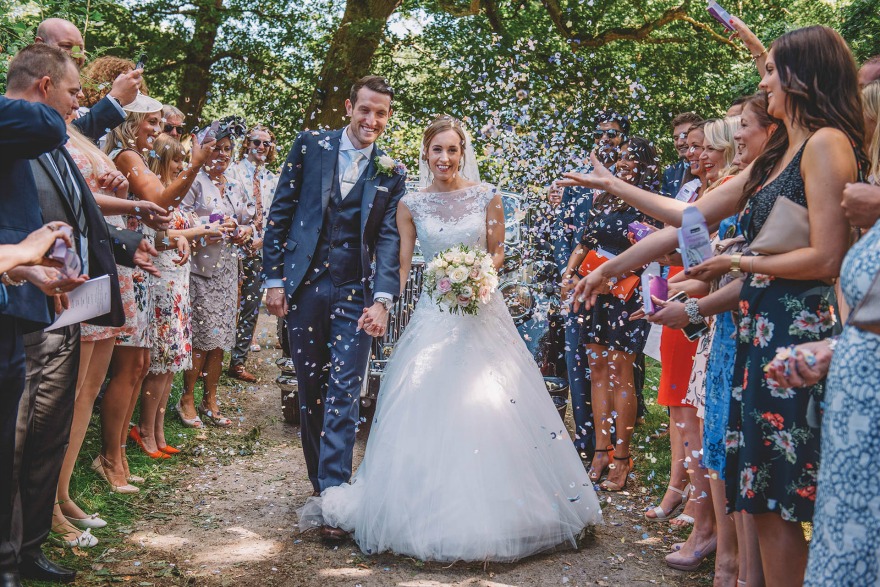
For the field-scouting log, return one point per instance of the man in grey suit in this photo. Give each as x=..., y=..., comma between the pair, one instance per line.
x=333, y=219
x=44, y=74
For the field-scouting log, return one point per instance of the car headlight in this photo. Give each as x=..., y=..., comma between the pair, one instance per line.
x=518, y=298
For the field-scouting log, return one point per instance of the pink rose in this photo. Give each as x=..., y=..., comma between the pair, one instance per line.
x=485, y=292
x=445, y=285
x=463, y=300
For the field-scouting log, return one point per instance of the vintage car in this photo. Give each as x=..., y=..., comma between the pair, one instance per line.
x=528, y=282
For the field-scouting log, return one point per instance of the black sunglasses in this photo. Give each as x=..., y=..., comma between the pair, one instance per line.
x=258, y=142
x=612, y=133
x=170, y=127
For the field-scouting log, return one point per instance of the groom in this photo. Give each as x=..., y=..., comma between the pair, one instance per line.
x=331, y=264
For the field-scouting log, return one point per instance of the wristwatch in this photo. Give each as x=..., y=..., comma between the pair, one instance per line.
x=734, y=265
x=387, y=302
x=693, y=311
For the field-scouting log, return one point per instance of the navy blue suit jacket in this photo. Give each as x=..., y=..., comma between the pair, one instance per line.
x=297, y=215
x=99, y=120
x=571, y=218
x=27, y=130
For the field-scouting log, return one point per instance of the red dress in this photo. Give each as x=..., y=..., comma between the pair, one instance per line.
x=676, y=362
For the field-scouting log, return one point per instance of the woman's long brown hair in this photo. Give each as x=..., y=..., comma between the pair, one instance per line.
x=818, y=73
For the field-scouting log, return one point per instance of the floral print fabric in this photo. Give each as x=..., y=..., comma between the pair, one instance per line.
x=846, y=525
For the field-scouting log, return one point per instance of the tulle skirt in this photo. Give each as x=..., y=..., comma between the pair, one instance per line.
x=467, y=457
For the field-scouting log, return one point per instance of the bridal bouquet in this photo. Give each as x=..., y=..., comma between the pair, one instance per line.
x=460, y=278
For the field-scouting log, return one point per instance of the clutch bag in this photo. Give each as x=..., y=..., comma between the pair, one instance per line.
x=623, y=289
x=786, y=229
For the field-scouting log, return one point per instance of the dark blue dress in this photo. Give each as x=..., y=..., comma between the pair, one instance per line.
x=772, y=451
x=607, y=323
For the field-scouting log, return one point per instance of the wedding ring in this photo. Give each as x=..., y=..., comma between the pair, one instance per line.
x=582, y=299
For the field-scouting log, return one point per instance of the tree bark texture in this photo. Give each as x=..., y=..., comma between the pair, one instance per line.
x=195, y=81
x=349, y=58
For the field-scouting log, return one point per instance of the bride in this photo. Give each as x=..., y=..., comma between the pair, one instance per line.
x=467, y=457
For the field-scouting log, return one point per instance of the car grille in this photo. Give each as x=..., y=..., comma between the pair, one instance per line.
x=399, y=318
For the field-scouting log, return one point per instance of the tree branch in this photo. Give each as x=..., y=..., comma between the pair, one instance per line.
x=579, y=38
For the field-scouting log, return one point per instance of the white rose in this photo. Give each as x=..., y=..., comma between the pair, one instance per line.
x=469, y=258
x=439, y=273
x=467, y=291
x=458, y=274
x=386, y=161
x=449, y=257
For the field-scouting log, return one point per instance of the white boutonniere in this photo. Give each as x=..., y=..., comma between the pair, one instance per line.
x=385, y=165
x=325, y=144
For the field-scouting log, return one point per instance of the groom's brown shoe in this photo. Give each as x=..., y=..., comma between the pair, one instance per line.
x=331, y=534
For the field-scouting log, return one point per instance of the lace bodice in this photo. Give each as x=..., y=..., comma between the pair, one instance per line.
x=446, y=219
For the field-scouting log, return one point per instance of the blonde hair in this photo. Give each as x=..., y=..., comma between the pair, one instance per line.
x=124, y=136
x=718, y=134
x=97, y=158
x=871, y=105
x=441, y=124
x=167, y=149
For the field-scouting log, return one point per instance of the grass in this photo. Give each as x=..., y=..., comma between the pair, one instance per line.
x=157, y=499
x=651, y=439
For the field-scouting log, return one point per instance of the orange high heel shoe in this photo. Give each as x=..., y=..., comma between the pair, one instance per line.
x=169, y=450
x=135, y=435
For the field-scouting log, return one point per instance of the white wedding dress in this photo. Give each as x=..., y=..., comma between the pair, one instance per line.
x=467, y=457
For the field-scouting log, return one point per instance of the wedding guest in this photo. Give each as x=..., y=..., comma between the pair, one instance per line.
x=773, y=457
x=861, y=201
x=869, y=71
x=215, y=200
x=172, y=122
x=98, y=77
x=257, y=183
x=129, y=145
x=105, y=113
x=171, y=327
x=677, y=357
x=710, y=525
x=110, y=188
x=845, y=538
x=736, y=107
x=678, y=174
x=611, y=341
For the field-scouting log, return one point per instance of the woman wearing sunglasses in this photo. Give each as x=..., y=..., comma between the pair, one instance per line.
x=172, y=122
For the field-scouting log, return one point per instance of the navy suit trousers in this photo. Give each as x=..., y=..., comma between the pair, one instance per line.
x=12, y=377
x=331, y=358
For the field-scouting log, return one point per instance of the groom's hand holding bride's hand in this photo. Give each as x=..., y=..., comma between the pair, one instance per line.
x=374, y=320
x=276, y=301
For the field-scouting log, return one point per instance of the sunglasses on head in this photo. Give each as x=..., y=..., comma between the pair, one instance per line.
x=612, y=133
x=258, y=142
x=170, y=127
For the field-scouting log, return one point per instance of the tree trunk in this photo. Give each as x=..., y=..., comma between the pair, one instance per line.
x=348, y=59
x=195, y=78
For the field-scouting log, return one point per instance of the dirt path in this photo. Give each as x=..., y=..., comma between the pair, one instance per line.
x=227, y=521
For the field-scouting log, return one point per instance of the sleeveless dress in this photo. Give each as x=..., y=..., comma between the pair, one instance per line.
x=772, y=451
x=607, y=324
x=467, y=457
x=90, y=333
x=138, y=331
x=172, y=326
x=846, y=525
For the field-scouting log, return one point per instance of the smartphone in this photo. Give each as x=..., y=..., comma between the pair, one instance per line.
x=720, y=14
x=691, y=331
x=208, y=133
x=142, y=59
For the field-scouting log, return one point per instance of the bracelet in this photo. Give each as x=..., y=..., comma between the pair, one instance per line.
x=7, y=280
x=735, y=260
x=692, y=309
x=751, y=265
x=759, y=55
x=832, y=342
